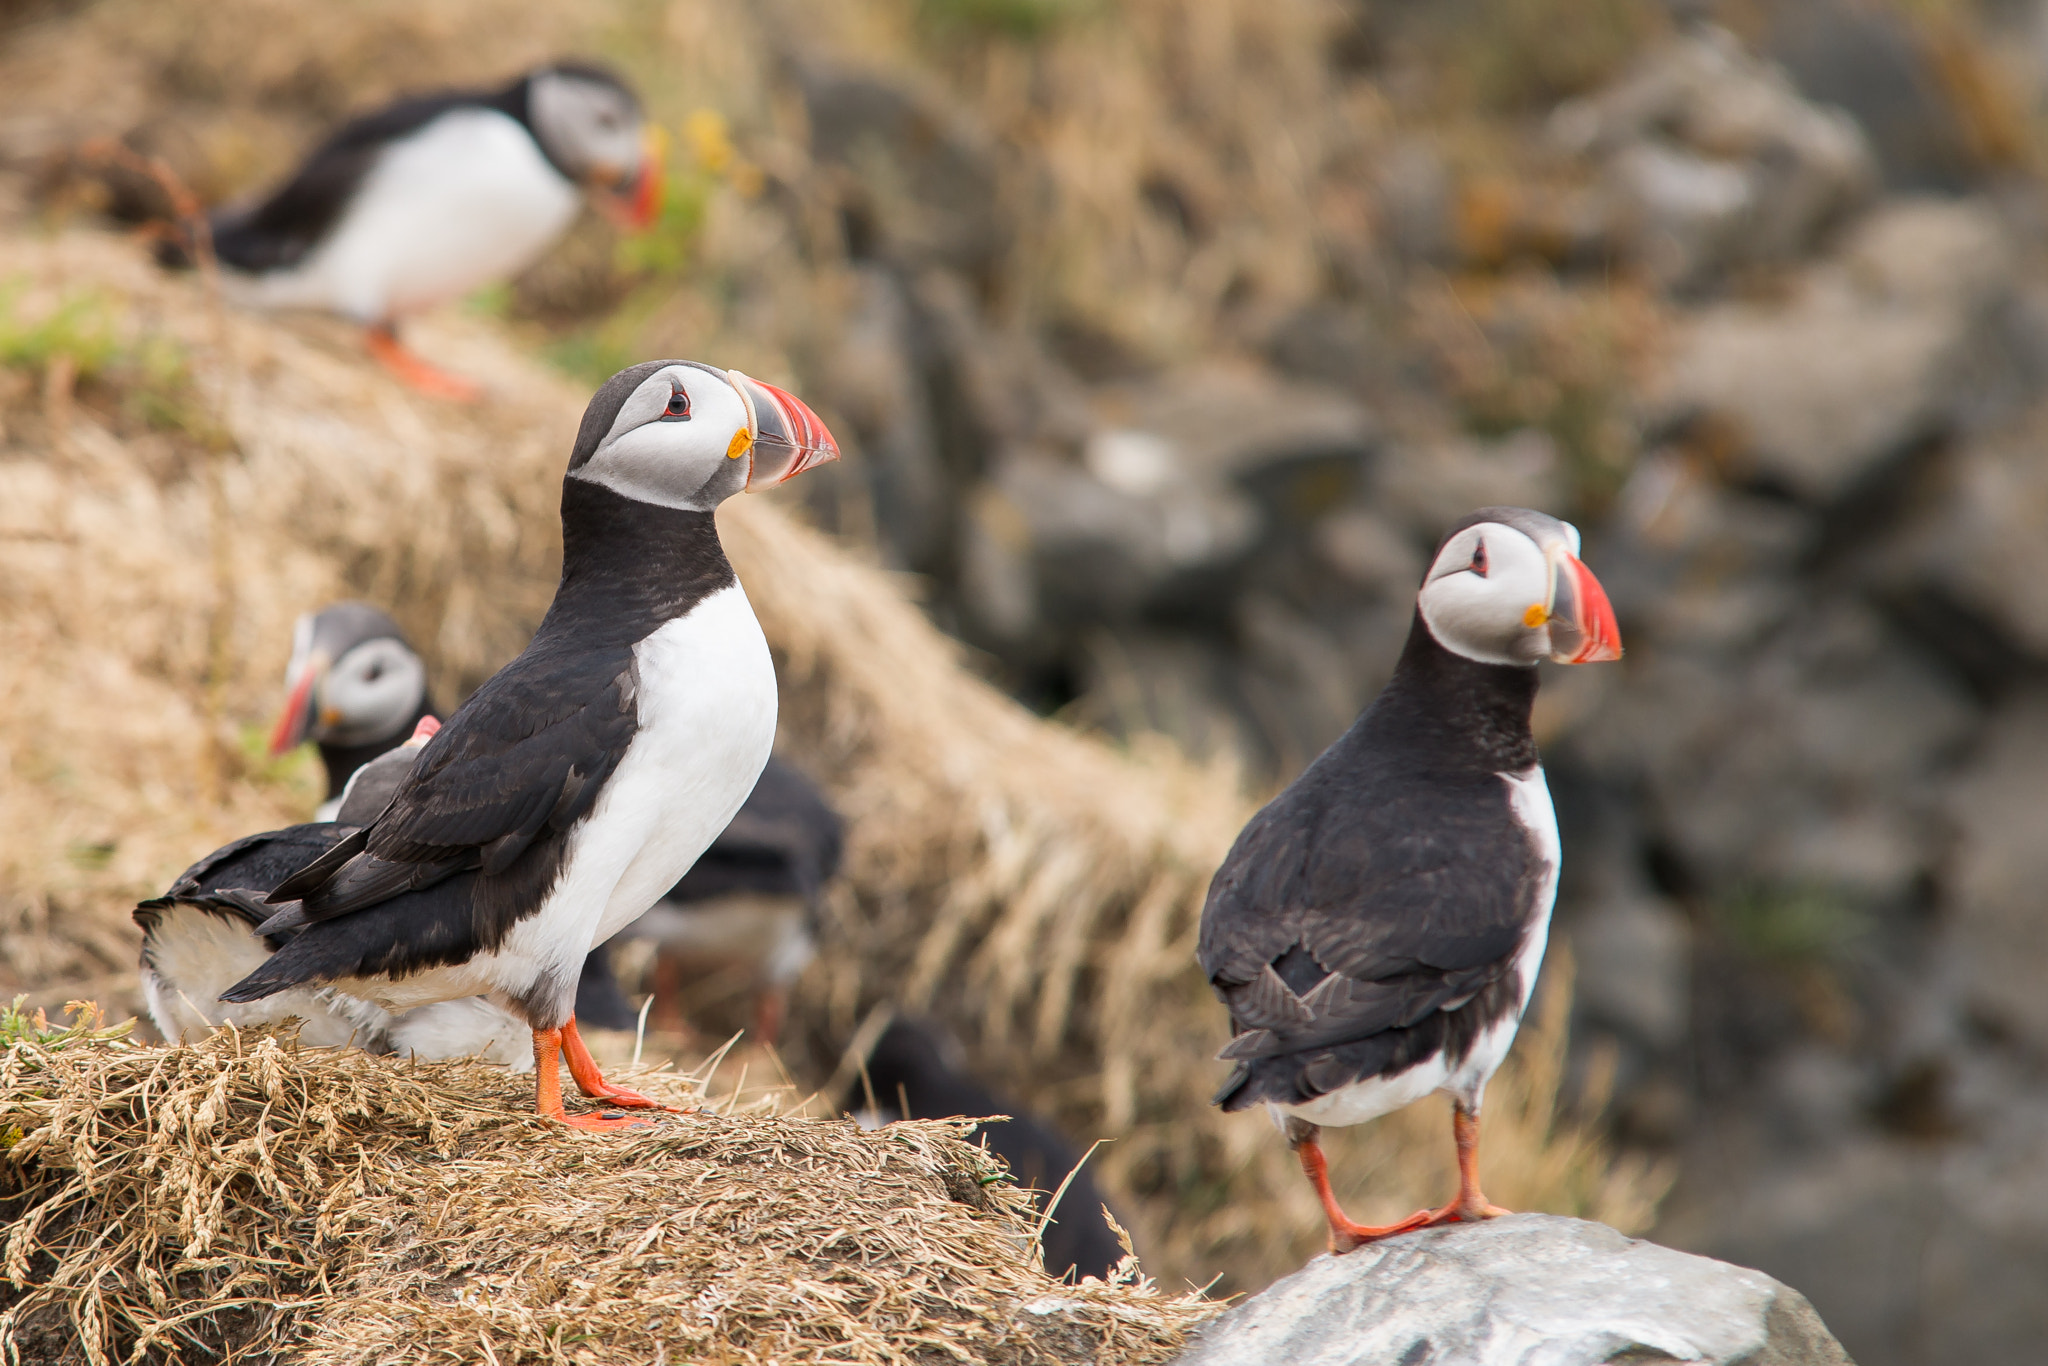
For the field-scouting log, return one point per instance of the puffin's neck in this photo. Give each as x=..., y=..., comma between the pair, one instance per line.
x=1458, y=711
x=343, y=760
x=628, y=566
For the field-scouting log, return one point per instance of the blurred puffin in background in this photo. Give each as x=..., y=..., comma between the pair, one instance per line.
x=435, y=195
x=354, y=687
x=917, y=1071
x=1377, y=928
x=584, y=778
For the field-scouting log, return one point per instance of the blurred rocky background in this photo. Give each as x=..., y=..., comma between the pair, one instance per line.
x=1165, y=335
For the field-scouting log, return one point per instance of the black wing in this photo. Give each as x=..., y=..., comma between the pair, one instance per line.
x=522, y=760
x=278, y=233
x=235, y=879
x=1347, y=917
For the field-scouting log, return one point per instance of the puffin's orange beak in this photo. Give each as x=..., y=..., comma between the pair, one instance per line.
x=298, y=709
x=1582, y=625
x=787, y=438
x=634, y=203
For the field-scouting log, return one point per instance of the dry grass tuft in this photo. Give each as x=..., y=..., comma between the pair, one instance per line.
x=244, y=1197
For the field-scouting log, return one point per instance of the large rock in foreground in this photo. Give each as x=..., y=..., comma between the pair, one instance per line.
x=1529, y=1290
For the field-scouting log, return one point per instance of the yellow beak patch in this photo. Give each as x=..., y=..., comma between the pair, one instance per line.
x=742, y=440
x=1535, y=616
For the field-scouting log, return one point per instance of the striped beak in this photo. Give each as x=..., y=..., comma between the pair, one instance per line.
x=1582, y=625
x=297, y=717
x=787, y=438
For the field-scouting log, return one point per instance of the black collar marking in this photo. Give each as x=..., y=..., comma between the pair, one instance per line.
x=1395, y=865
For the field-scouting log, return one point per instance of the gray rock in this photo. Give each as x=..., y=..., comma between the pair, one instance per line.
x=916, y=179
x=1634, y=958
x=2001, y=866
x=1982, y=542
x=1526, y=1290
x=1713, y=160
x=1864, y=362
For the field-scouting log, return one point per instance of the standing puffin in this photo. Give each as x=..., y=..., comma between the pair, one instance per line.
x=584, y=778
x=431, y=197
x=1377, y=928
x=354, y=687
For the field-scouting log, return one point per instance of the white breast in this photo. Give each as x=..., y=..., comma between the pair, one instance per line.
x=1529, y=799
x=466, y=200
x=706, y=725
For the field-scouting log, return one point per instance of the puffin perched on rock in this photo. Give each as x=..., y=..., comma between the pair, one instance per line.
x=1377, y=928
x=435, y=195
x=583, y=779
x=198, y=939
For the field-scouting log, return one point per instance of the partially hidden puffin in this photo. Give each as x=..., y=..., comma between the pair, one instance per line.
x=198, y=939
x=1377, y=928
x=917, y=1071
x=431, y=197
x=582, y=780
x=354, y=687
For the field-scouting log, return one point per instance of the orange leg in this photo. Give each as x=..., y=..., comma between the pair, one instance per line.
x=414, y=370
x=771, y=1007
x=1469, y=1206
x=591, y=1082
x=547, y=1061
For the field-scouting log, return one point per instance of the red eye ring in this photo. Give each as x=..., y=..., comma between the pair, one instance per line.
x=1478, y=565
x=678, y=405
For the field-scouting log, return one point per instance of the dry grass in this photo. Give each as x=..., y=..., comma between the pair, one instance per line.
x=243, y=1197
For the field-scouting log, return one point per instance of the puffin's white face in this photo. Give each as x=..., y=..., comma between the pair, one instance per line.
x=690, y=436
x=1504, y=594
x=591, y=128
x=351, y=680
x=369, y=694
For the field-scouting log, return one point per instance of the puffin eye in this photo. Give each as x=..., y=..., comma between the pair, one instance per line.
x=678, y=409
x=1478, y=565
x=376, y=671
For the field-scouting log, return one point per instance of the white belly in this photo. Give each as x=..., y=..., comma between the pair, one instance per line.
x=1529, y=797
x=706, y=725
x=466, y=200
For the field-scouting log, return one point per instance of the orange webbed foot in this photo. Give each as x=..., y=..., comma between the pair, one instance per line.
x=417, y=372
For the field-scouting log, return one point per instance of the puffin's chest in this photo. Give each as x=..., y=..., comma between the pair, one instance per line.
x=706, y=707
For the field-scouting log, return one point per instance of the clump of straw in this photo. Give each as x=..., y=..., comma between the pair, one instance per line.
x=245, y=1196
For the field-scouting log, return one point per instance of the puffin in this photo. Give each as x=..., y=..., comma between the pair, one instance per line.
x=583, y=779
x=354, y=686
x=749, y=907
x=435, y=195
x=918, y=1071
x=1376, y=929
x=198, y=939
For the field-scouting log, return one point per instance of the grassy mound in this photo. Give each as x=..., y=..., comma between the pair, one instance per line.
x=246, y=1197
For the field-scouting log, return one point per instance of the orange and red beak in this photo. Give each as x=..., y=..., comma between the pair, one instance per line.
x=786, y=437
x=633, y=203
x=1582, y=625
x=297, y=717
